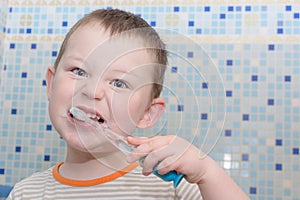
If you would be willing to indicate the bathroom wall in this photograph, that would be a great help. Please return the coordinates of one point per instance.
(255, 46)
(2, 24)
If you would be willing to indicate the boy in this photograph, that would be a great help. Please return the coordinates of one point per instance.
(111, 66)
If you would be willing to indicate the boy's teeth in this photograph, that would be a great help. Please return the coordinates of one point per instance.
(91, 116)
(96, 118)
(83, 116)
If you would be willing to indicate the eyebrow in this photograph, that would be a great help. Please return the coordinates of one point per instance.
(124, 72)
(76, 58)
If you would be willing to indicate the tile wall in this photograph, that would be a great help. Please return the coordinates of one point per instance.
(253, 45)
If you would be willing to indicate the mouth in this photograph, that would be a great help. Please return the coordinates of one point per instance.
(88, 117)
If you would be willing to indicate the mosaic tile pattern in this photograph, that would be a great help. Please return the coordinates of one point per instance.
(256, 48)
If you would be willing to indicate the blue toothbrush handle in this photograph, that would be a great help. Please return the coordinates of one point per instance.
(170, 176)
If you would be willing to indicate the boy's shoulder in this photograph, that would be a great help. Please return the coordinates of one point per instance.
(36, 179)
(36, 182)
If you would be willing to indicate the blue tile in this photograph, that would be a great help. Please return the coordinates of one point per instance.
(48, 127)
(198, 31)
(280, 23)
(18, 149)
(287, 78)
(205, 85)
(191, 23)
(47, 158)
(254, 78)
(278, 167)
(12, 45)
(64, 23)
(228, 93)
(229, 62)
(280, 31)
(264, 8)
(222, 16)
(176, 9)
(271, 102)
(14, 111)
(295, 151)
(288, 7)
(204, 116)
(271, 47)
(24, 75)
(278, 142)
(296, 15)
(33, 46)
(238, 8)
(54, 53)
(248, 8)
(245, 157)
(246, 117)
(227, 133)
(174, 69)
(190, 54)
(180, 108)
(230, 8)
(252, 190)
(207, 8)
(2, 171)
(153, 23)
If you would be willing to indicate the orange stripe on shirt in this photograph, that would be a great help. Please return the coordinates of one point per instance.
(83, 183)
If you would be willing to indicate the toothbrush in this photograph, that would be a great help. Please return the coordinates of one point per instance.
(121, 143)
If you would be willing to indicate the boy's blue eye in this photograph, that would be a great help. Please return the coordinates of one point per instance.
(80, 72)
(119, 84)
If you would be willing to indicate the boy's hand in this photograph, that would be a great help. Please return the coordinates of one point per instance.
(172, 153)
(175, 153)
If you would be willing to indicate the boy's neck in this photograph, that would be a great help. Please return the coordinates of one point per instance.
(84, 166)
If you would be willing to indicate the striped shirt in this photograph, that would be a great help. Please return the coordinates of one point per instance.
(133, 185)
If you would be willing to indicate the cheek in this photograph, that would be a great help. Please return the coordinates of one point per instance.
(138, 104)
(136, 108)
(61, 96)
(120, 111)
(128, 111)
(61, 88)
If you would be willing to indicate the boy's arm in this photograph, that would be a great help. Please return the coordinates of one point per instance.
(175, 153)
(216, 184)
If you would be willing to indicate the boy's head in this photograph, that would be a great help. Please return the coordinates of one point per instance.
(111, 65)
(116, 22)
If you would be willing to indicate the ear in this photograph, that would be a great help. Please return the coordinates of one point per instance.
(49, 78)
(152, 114)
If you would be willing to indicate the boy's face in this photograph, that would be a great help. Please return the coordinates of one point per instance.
(108, 79)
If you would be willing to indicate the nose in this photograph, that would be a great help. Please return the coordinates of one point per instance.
(93, 89)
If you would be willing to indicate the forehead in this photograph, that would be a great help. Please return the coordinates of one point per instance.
(95, 46)
(91, 37)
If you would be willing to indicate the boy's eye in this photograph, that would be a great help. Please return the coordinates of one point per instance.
(80, 72)
(119, 84)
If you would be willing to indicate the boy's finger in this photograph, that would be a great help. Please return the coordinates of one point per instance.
(136, 140)
(144, 146)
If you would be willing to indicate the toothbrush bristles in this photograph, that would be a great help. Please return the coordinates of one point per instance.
(78, 114)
